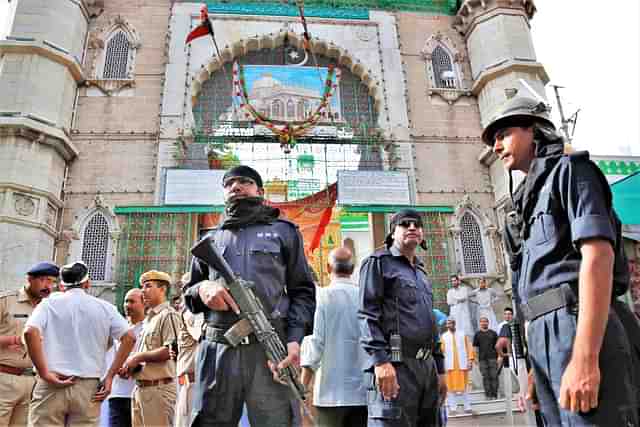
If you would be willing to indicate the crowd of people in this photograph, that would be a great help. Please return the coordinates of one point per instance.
(372, 350)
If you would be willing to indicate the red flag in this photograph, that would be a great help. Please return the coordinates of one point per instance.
(203, 29)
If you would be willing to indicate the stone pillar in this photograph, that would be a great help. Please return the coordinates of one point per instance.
(498, 38)
(40, 70)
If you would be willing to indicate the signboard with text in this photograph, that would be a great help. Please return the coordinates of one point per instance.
(193, 187)
(373, 188)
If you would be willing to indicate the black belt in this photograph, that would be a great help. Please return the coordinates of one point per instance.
(548, 301)
(214, 334)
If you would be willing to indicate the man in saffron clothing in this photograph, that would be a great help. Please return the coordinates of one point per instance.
(458, 358)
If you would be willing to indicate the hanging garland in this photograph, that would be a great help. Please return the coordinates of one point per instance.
(287, 133)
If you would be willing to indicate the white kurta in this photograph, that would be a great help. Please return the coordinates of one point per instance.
(458, 300)
(485, 298)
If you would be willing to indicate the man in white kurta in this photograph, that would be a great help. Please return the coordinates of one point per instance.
(485, 297)
(458, 300)
(458, 360)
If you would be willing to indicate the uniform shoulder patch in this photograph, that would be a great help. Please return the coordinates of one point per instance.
(380, 253)
(286, 221)
(9, 293)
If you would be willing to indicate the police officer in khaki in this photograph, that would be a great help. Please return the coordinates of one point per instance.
(16, 369)
(188, 338)
(154, 396)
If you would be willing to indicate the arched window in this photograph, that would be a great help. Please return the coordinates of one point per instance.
(473, 255)
(443, 73)
(95, 246)
(291, 110)
(277, 108)
(302, 114)
(116, 60)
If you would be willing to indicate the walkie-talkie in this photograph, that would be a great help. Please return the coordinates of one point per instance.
(395, 340)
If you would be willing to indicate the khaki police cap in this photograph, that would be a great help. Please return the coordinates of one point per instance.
(513, 109)
(160, 276)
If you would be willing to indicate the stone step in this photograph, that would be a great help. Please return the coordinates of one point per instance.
(481, 406)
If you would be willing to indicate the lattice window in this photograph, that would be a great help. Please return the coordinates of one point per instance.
(95, 246)
(116, 59)
(473, 257)
(158, 241)
(443, 73)
(436, 256)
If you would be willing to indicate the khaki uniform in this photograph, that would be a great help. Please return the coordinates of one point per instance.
(154, 396)
(15, 390)
(188, 337)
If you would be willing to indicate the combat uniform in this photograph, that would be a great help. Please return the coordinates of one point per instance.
(397, 298)
(154, 395)
(563, 201)
(16, 370)
(270, 255)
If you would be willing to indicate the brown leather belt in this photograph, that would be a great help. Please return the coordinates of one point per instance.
(151, 383)
(12, 370)
(188, 378)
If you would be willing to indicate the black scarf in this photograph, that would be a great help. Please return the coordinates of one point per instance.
(248, 210)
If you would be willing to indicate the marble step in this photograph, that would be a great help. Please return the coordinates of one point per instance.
(481, 406)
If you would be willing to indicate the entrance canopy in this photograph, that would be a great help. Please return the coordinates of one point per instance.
(626, 199)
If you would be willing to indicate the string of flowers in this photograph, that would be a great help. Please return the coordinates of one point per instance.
(287, 133)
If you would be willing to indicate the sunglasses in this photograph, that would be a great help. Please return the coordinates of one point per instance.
(406, 223)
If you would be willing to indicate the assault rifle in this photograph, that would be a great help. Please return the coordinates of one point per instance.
(253, 318)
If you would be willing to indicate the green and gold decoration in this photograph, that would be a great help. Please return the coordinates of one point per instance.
(287, 132)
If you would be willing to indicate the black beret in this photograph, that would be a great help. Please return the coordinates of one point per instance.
(245, 172)
(403, 214)
(75, 273)
(397, 218)
(44, 269)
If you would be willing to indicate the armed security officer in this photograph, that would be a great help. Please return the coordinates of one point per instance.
(268, 251)
(399, 331)
(154, 396)
(571, 265)
(16, 370)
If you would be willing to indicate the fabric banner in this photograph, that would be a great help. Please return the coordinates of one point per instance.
(312, 214)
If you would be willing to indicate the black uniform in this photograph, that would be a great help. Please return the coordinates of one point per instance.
(271, 255)
(564, 201)
(397, 298)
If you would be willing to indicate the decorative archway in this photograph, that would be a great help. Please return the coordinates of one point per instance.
(274, 40)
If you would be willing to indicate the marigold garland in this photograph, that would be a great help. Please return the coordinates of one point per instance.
(287, 133)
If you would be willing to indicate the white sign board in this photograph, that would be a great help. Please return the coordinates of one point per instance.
(373, 188)
(193, 187)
